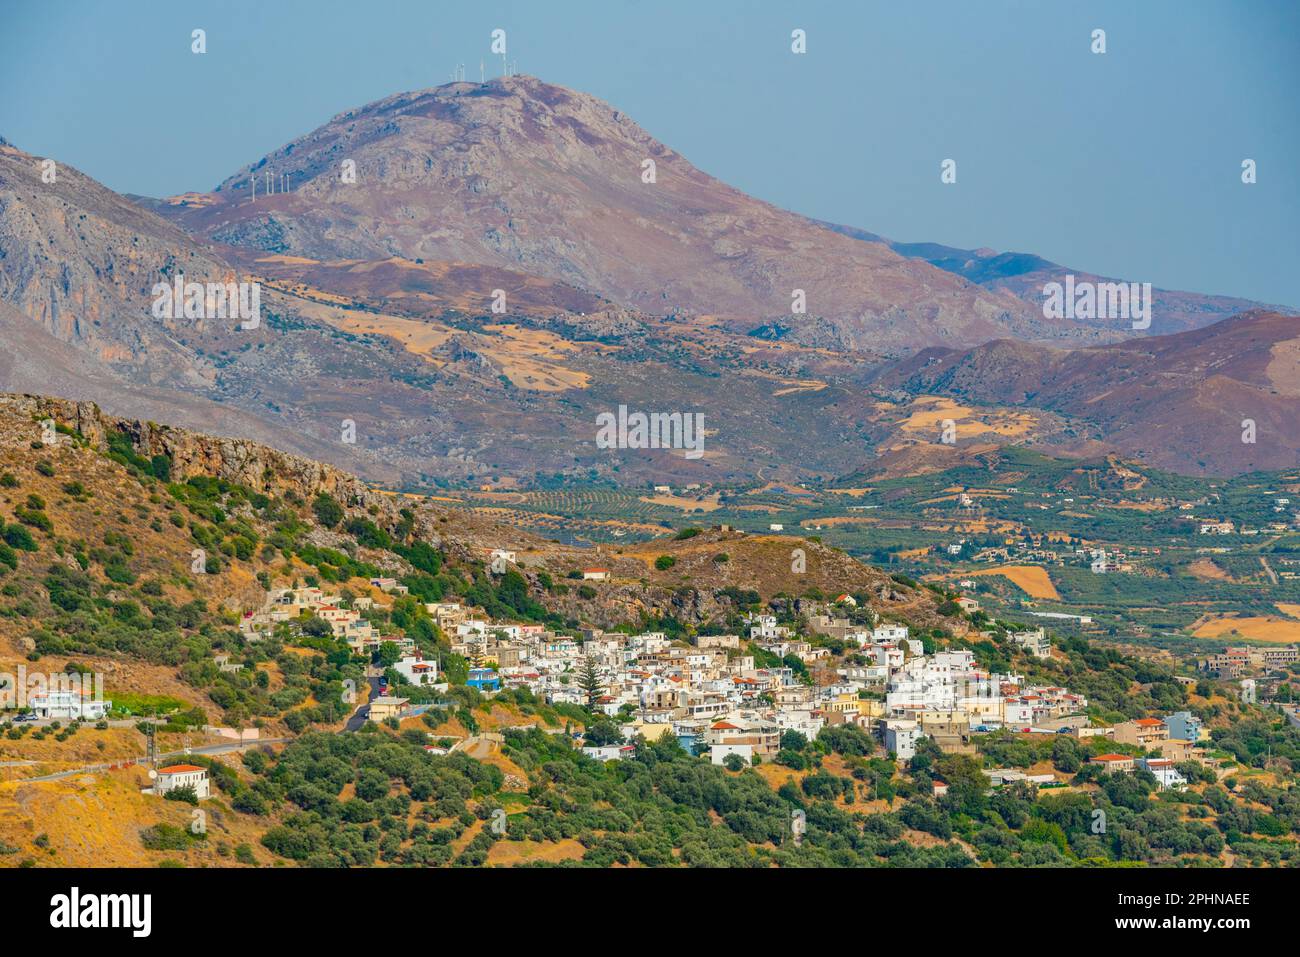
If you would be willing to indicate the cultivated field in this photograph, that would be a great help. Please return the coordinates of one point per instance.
(1264, 628)
(1031, 579)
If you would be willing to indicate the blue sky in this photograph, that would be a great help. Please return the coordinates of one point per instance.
(1126, 164)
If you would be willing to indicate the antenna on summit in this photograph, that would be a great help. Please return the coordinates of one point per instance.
(481, 76)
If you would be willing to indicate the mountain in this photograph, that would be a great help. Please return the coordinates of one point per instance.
(520, 174)
(436, 387)
(497, 279)
(1178, 401)
(1025, 274)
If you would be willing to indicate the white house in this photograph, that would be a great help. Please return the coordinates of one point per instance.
(884, 634)
(182, 775)
(68, 705)
(609, 752)
(417, 671)
(765, 627)
(901, 737)
(1035, 642)
(1164, 771)
(1217, 528)
(595, 574)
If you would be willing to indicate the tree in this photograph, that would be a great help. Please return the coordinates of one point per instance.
(328, 511)
(315, 627)
(792, 740)
(589, 682)
(185, 793)
(388, 654)
(601, 733)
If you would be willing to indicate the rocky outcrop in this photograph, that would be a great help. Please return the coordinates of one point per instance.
(256, 466)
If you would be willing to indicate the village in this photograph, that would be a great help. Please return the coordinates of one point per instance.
(719, 701)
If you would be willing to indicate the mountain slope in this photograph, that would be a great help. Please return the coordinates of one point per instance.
(103, 521)
(393, 346)
(522, 174)
(1178, 401)
(81, 262)
(438, 387)
(378, 301)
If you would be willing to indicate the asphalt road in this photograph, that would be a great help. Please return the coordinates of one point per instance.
(362, 713)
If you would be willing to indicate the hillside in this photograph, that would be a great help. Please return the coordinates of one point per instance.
(1176, 401)
(102, 526)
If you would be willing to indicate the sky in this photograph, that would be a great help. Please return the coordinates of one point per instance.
(1126, 163)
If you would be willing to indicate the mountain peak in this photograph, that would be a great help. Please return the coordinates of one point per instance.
(534, 177)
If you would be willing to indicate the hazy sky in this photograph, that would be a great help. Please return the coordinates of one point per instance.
(1126, 164)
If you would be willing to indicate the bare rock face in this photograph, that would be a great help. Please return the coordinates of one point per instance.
(241, 461)
(81, 262)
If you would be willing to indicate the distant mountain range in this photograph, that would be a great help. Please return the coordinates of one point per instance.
(504, 268)
(1025, 274)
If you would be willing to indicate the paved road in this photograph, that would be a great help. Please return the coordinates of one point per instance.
(207, 749)
(362, 714)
